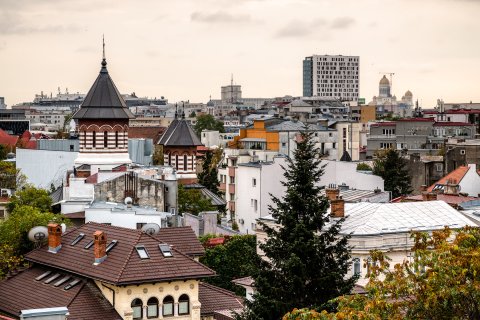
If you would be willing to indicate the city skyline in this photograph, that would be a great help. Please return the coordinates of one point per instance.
(185, 50)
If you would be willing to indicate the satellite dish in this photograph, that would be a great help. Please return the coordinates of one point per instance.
(38, 233)
(151, 228)
(128, 200)
(64, 227)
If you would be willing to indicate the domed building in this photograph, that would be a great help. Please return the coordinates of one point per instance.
(387, 103)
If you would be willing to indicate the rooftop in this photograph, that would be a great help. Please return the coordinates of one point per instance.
(214, 299)
(180, 133)
(123, 265)
(455, 176)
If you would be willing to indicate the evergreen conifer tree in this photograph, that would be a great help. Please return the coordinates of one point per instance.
(307, 261)
(209, 175)
(393, 169)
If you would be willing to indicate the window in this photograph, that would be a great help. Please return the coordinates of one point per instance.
(169, 159)
(116, 139)
(176, 161)
(84, 139)
(72, 148)
(439, 167)
(111, 245)
(105, 139)
(152, 308)
(165, 249)
(356, 266)
(77, 239)
(88, 245)
(142, 252)
(232, 179)
(137, 308)
(185, 161)
(232, 196)
(167, 306)
(183, 305)
(254, 182)
(93, 139)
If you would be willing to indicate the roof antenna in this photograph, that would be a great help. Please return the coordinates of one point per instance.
(104, 60)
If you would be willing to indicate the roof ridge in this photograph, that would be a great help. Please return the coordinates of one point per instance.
(122, 270)
(219, 289)
(173, 130)
(76, 294)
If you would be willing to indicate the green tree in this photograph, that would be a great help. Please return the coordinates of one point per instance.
(8, 259)
(364, 167)
(3, 152)
(31, 196)
(209, 175)
(393, 169)
(237, 258)
(192, 114)
(208, 122)
(193, 201)
(441, 281)
(307, 261)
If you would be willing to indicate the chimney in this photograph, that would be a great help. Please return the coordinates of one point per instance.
(54, 237)
(423, 188)
(337, 207)
(451, 187)
(332, 193)
(429, 196)
(99, 246)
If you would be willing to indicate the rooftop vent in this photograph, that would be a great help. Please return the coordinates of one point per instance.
(61, 281)
(72, 284)
(43, 275)
(55, 276)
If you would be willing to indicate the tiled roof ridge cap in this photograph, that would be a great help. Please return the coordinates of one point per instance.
(122, 270)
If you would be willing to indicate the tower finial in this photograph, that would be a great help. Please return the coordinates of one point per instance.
(104, 60)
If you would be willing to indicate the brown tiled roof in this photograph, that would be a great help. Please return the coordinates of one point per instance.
(456, 175)
(153, 132)
(247, 281)
(84, 301)
(451, 199)
(182, 239)
(123, 264)
(215, 299)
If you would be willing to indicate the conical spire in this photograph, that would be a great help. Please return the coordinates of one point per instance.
(104, 60)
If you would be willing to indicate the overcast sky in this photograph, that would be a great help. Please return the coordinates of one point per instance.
(187, 49)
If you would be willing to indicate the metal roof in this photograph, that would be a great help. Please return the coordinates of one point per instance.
(180, 133)
(103, 101)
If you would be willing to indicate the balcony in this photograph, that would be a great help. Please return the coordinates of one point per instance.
(231, 188)
(223, 186)
(231, 171)
(231, 206)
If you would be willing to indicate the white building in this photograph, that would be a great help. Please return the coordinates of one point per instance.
(332, 76)
(213, 138)
(387, 227)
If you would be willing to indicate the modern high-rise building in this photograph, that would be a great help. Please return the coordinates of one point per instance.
(331, 77)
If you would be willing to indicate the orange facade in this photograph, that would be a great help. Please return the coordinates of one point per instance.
(258, 132)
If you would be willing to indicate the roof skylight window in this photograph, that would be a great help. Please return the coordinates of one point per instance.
(72, 284)
(111, 245)
(142, 252)
(77, 239)
(165, 249)
(88, 245)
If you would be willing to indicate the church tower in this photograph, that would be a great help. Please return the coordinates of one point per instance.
(103, 126)
(384, 88)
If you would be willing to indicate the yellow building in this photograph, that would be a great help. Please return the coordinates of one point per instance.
(102, 272)
(368, 113)
(256, 137)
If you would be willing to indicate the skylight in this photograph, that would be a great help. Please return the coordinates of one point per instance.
(77, 239)
(55, 276)
(142, 252)
(88, 245)
(72, 284)
(43, 275)
(111, 245)
(165, 249)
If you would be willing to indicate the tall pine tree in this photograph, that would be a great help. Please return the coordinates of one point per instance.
(209, 175)
(307, 261)
(393, 169)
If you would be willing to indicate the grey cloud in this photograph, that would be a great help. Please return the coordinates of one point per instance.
(219, 17)
(342, 23)
(13, 24)
(297, 28)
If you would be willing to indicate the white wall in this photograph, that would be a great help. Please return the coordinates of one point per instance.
(246, 197)
(122, 218)
(339, 172)
(43, 167)
(471, 182)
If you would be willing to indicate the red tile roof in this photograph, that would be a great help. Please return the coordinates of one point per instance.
(215, 299)
(451, 199)
(153, 132)
(7, 139)
(84, 301)
(123, 264)
(182, 239)
(456, 176)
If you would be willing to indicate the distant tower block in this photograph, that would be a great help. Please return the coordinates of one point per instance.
(103, 126)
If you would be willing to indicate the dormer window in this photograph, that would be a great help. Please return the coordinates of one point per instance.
(166, 251)
(142, 252)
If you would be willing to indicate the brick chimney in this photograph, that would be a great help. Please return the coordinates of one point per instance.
(423, 188)
(429, 196)
(99, 246)
(332, 193)
(54, 237)
(337, 207)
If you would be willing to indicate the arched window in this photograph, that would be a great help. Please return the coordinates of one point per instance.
(152, 308)
(185, 161)
(193, 163)
(169, 159)
(356, 266)
(116, 139)
(137, 308)
(167, 306)
(94, 141)
(85, 139)
(176, 161)
(183, 305)
(105, 139)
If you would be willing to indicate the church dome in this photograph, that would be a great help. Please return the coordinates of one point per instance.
(384, 81)
(408, 94)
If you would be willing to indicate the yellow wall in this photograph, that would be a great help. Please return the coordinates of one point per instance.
(124, 295)
(367, 113)
(258, 131)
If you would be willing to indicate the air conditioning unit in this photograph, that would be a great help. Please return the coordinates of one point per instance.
(241, 221)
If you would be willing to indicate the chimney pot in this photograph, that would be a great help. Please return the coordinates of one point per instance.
(54, 237)
(337, 209)
(99, 246)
